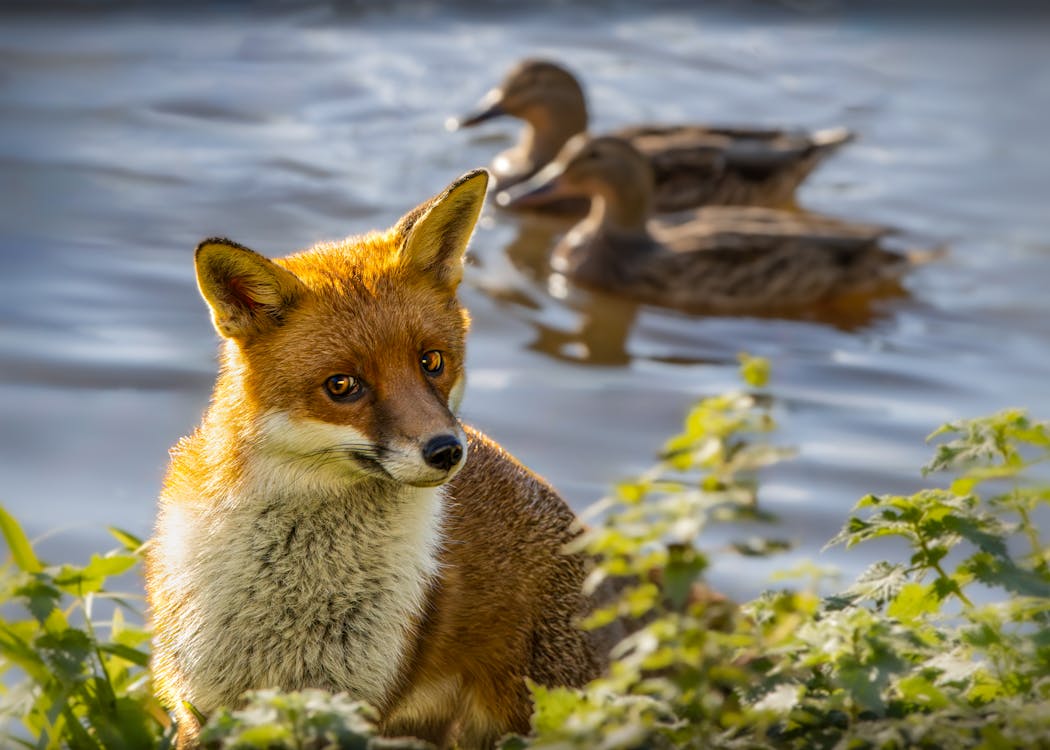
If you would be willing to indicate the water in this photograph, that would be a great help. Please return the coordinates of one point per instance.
(127, 136)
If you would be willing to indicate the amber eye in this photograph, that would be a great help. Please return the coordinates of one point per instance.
(432, 362)
(342, 387)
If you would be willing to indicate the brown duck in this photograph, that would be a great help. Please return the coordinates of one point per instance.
(693, 165)
(716, 260)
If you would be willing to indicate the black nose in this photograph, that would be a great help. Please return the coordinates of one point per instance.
(443, 452)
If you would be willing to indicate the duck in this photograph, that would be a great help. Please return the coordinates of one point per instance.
(719, 259)
(693, 165)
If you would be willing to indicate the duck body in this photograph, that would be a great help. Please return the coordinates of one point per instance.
(709, 266)
(693, 165)
(722, 260)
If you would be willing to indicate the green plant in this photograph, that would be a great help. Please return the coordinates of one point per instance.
(85, 682)
(307, 720)
(947, 648)
(678, 680)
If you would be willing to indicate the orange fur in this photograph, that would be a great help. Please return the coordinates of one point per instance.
(304, 541)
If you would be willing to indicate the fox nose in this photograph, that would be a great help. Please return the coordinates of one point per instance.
(443, 452)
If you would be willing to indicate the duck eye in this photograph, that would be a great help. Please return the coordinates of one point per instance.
(433, 363)
(342, 387)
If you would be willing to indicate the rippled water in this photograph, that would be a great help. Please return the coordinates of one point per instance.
(126, 137)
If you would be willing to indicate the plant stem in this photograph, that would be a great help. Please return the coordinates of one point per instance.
(1032, 533)
(936, 565)
(112, 697)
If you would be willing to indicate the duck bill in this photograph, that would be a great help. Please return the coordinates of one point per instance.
(489, 107)
(541, 190)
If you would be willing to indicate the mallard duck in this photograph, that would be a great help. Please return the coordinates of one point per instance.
(693, 165)
(716, 259)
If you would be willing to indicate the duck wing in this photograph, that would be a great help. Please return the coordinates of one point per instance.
(751, 223)
(699, 165)
(773, 263)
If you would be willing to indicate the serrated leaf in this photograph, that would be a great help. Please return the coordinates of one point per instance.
(41, 598)
(1005, 573)
(781, 699)
(879, 582)
(66, 652)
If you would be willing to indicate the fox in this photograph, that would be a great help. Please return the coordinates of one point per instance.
(332, 524)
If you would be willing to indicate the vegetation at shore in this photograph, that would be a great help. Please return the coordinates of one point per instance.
(947, 646)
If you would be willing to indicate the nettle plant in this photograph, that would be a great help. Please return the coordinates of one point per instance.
(947, 648)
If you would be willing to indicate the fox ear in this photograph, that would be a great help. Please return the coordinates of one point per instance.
(247, 293)
(436, 233)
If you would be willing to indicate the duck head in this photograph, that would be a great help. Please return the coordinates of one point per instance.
(550, 101)
(533, 90)
(609, 170)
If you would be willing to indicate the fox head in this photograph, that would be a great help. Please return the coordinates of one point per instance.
(345, 361)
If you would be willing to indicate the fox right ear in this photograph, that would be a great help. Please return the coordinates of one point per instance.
(247, 293)
(437, 232)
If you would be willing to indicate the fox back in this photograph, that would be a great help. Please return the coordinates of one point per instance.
(331, 523)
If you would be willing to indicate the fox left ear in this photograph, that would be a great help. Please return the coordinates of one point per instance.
(248, 294)
(436, 233)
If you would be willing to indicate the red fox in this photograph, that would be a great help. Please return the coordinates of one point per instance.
(332, 524)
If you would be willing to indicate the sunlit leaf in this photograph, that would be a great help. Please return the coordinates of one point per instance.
(912, 601)
(754, 370)
(127, 653)
(917, 690)
(18, 543)
(130, 542)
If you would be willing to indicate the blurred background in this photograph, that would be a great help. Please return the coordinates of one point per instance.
(129, 131)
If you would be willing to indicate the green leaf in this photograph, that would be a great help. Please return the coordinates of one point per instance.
(17, 648)
(682, 571)
(130, 542)
(200, 717)
(79, 738)
(913, 601)
(111, 565)
(92, 577)
(864, 683)
(553, 706)
(879, 583)
(1005, 573)
(125, 652)
(18, 543)
(754, 370)
(124, 724)
(266, 736)
(41, 597)
(918, 691)
(66, 652)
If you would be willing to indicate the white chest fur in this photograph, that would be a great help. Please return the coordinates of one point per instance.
(282, 592)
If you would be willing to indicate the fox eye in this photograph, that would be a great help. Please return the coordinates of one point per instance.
(342, 387)
(433, 363)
